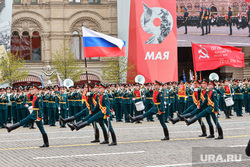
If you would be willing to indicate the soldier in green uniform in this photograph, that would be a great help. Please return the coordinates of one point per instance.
(229, 20)
(127, 103)
(13, 105)
(238, 98)
(52, 105)
(3, 108)
(190, 95)
(28, 99)
(71, 101)
(148, 100)
(77, 101)
(227, 92)
(137, 97)
(211, 103)
(182, 95)
(45, 97)
(165, 91)
(36, 115)
(56, 92)
(172, 100)
(19, 99)
(118, 104)
(24, 110)
(111, 99)
(9, 114)
(103, 112)
(158, 109)
(185, 19)
(63, 104)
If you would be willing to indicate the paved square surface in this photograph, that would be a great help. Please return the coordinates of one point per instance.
(139, 145)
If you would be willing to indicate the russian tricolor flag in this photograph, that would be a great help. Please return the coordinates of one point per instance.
(100, 45)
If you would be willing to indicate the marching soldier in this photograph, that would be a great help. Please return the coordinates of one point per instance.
(158, 109)
(24, 110)
(229, 20)
(137, 98)
(19, 100)
(165, 92)
(56, 93)
(238, 98)
(77, 101)
(172, 100)
(36, 115)
(71, 101)
(210, 17)
(202, 20)
(190, 95)
(185, 19)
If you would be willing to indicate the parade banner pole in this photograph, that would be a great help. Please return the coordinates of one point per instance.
(86, 69)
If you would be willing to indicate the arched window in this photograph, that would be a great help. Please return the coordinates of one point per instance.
(36, 46)
(27, 46)
(197, 7)
(189, 6)
(182, 7)
(243, 7)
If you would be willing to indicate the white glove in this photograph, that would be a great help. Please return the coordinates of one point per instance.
(196, 89)
(133, 99)
(112, 113)
(88, 93)
(67, 108)
(59, 108)
(30, 108)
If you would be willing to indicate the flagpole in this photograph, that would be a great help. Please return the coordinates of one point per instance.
(86, 69)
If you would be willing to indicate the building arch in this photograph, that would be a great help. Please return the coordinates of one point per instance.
(16, 24)
(30, 80)
(88, 22)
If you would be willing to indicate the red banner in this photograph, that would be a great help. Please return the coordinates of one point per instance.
(153, 40)
(211, 57)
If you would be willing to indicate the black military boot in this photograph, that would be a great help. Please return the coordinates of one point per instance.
(71, 126)
(181, 117)
(113, 139)
(220, 134)
(174, 120)
(204, 131)
(64, 121)
(248, 149)
(13, 127)
(106, 138)
(211, 129)
(165, 130)
(192, 120)
(45, 140)
(97, 140)
(137, 118)
(80, 125)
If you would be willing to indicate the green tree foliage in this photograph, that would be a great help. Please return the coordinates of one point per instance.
(12, 68)
(115, 69)
(65, 63)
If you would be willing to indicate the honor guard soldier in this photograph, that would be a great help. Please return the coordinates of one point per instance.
(212, 108)
(229, 20)
(52, 98)
(118, 103)
(172, 100)
(137, 97)
(101, 116)
(182, 95)
(9, 114)
(56, 93)
(36, 115)
(165, 92)
(19, 100)
(157, 109)
(238, 98)
(127, 103)
(63, 104)
(3, 108)
(26, 100)
(29, 100)
(77, 101)
(45, 97)
(202, 20)
(210, 17)
(190, 95)
(71, 101)
(148, 100)
(227, 93)
(13, 104)
(185, 19)
(111, 99)
(206, 19)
